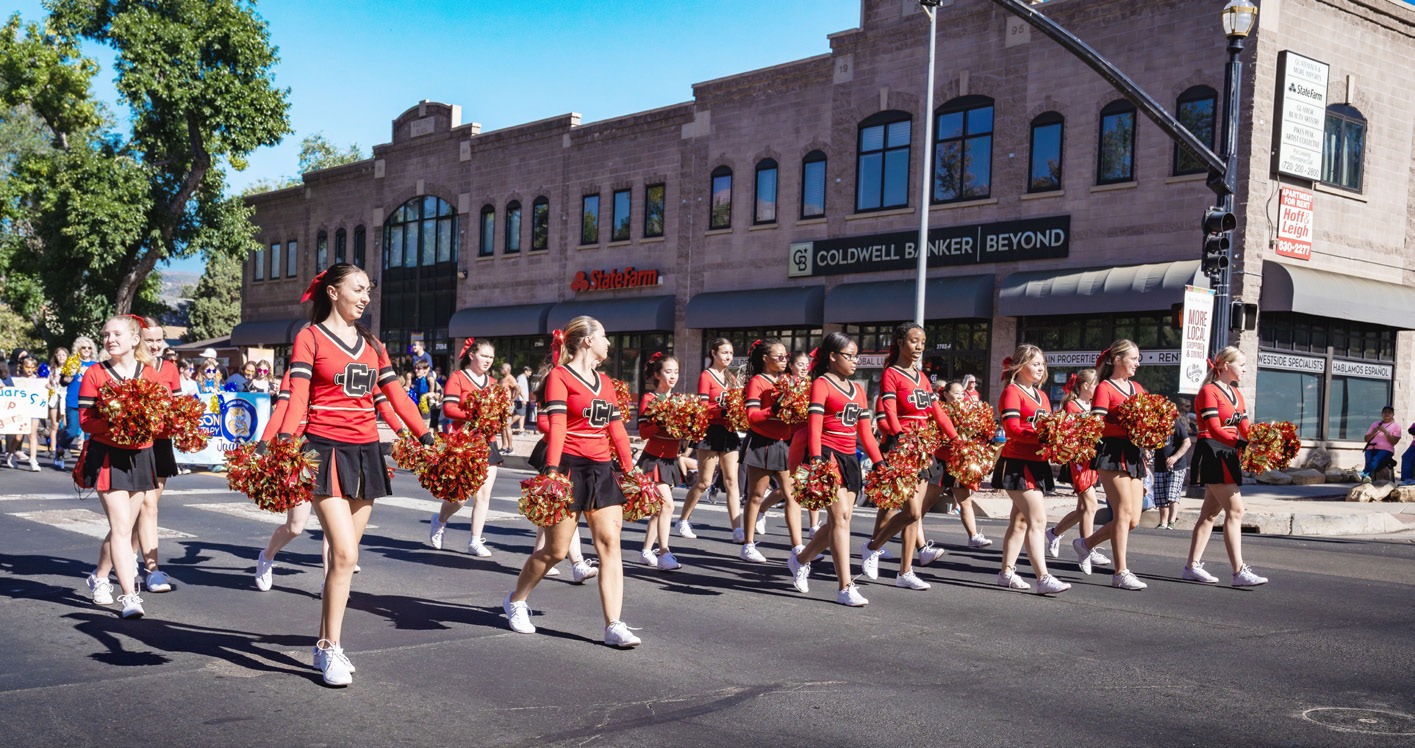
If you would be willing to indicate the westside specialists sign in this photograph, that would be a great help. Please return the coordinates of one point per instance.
(1005, 241)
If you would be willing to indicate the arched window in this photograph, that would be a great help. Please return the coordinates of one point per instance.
(1115, 154)
(340, 246)
(1196, 109)
(963, 149)
(720, 210)
(882, 166)
(321, 251)
(360, 246)
(1044, 172)
(540, 223)
(813, 185)
(487, 246)
(1343, 147)
(513, 228)
(765, 203)
(420, 232)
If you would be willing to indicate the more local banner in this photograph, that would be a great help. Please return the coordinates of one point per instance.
(231, 419)
(1194, 338)
(21, 404)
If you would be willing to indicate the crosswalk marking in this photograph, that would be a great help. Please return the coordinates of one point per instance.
(85, 522)
(429, 506)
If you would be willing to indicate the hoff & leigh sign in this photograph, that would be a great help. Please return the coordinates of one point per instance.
(1005, 241)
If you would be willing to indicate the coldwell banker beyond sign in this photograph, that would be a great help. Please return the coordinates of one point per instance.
(1006, 241)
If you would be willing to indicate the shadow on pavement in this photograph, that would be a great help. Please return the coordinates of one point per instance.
(243, 649)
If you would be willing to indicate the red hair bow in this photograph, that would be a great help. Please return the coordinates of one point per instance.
(1006, 364)
(1070, 385)
(467, 346)
(656, 356)
(557, 341)
(314, 284)
(1100, 360)
(755, 343)
(1213, 365)
(142, 323)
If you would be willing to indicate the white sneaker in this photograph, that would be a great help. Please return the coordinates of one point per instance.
(518, 615)
(10, 461)
(749, 552)
(1246, 577)
(1195, 572)
(435, 530)
(760, 526)
(132, 606)
(102, 590)
(1053, 544)
(931, 553)
(264, 572)
(869, 561)
(668, 562)
(685, 529)
(1125, 580)
(1009, 579)
(911, 581)
(337, 669)
(583, 570)
(648, 558)
(1083, 555)
(979, 541)
(815, 527)
(33, 465)
(1098, 558)
(321, 654)
(851, 596)
(739, 536)
(158, 581)
(1050, 585)
(617, 634)
(800, 573)
(478, 547)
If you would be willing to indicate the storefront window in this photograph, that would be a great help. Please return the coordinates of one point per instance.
(1285, 331)
(1072, 343)
(1290, 396)
(952, 350)
(794, 338)
(1356, 403)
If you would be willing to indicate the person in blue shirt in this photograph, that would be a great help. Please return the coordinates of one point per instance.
(239, 381)
(87, 353)
(420, 354)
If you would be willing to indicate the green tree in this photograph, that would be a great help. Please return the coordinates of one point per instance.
(316, 152)
(216, 304)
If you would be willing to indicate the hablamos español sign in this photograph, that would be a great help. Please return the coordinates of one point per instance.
(1004, 241)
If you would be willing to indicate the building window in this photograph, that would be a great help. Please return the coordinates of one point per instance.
(883, 166)
(340, 245)
(292, 259)
(619, 218)
(540, 224)
(360, 246)
(258, 265)
(487, 247)
(589, 219)
(421, 232)
(321, 251)
(1090, 334)
(1196, 110)
(720, 215)
(513, 228)
(275, 261)
(1044, 174)
(1115, 161)
(653, 210)
(813, 185)
(952, 349)
(1343, 147)
(963, 150)
(765, 210)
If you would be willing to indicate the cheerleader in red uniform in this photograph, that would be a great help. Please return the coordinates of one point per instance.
(1223, 433)
(478, 356)
(767, 447)
(953, 392)
(1119, 461)
(1021, 470)
(839, 421)
(1080, 388)
(337, 368)
(660, 462)
(801, 367)
(122, 476)
(581, 569)
(719, 448)
(583, 411)
(908, 402)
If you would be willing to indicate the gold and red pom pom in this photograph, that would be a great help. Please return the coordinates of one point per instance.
(488, 410)
(1069, 438)
(135, 410)
(793, 399)
(1149, 418)
(680, 416)
(1271, 446)
(277, 481)
(970, 461)
(891, 486)
(626, 400)
(184, 424)
(734, 409)
(545, 499)
(453, 469)
(641, 496)
(973, 419)
(816, 484)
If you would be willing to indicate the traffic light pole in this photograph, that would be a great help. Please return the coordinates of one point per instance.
(1232, 96)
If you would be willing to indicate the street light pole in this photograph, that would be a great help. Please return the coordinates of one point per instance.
(1239, 17)
(926, 173)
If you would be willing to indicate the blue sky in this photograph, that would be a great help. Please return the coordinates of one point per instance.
(353, 66)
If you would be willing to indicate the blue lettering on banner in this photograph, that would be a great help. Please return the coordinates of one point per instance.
(1005, 241)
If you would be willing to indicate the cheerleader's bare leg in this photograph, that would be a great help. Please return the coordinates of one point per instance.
(727, 462)
(1028, 522)
(839, 524)
(343, 521)
(707, 469)
(605, 525)
(963, 497)
(1125, 495)
(552, 543)
(1225, 498)
(145, 530)
(295, 520)
(758, 481)
(481, 503)
(122, 508)
(661, 525)
(903, 520)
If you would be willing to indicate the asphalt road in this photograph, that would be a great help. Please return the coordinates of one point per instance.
(732, 656)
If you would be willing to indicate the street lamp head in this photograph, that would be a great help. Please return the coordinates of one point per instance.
(1239, 18)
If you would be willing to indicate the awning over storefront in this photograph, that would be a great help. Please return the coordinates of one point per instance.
(1132, 288)
(967, 297)
(801, 306)
(264, 333)
(499, 321)
(617, 315)
(1295, 289)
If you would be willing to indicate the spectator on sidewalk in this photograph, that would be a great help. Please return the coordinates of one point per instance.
(1381, 439)
(1171, 471)
(239, 381)
(420, 354)
(520, 417)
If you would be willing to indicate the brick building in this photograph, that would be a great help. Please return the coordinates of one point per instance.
(784, 201)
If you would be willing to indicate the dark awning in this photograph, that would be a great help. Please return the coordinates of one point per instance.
(499, 321)
(1132, 288)
(645, 313)
(266, 332)
(966, 297)
(800, 306)
(1287, 288)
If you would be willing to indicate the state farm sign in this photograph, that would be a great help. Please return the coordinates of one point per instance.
(1294, 224)
(610, 280)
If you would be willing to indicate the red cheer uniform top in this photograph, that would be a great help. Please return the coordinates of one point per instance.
(337, 387)
(1222, 415)
(909, 402)
(90, 420)
(458, 385)
(167, 374)
(760, 399)
(712, 389)
(1108, 397)
(840, 419)
(1020, 409)
(582, 413)
(656, 442)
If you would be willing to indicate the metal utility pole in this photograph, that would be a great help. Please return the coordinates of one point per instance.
(926, 174)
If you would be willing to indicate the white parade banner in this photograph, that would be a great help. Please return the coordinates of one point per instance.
(231, 419)
(21, 404)
(1194, 343)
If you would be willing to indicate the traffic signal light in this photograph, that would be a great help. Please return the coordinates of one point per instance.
(1218, 223)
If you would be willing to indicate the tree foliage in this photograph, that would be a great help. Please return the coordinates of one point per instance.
(216, 303)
